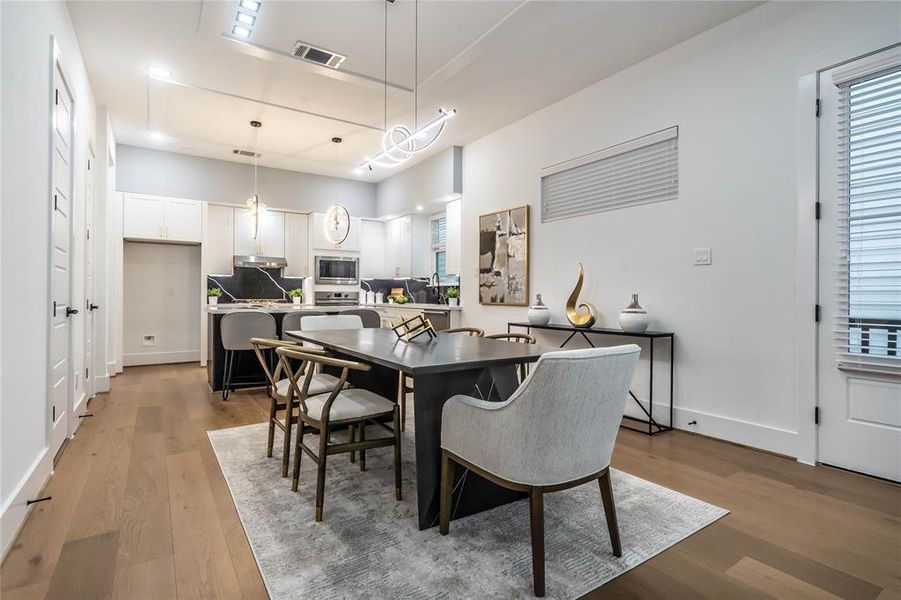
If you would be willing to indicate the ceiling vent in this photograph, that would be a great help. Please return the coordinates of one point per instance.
(316, 55)
(240, 152)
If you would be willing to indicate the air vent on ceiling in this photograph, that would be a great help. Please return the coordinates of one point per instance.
(244, 153)
(317, 55)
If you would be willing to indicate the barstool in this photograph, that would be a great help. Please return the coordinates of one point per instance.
(291, 321)
(236, 330)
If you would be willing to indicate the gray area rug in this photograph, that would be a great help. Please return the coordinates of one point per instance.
(369, 545)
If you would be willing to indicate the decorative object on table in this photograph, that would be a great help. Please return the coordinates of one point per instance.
(379, 297)
(212, 295)
(539, 313)
(255, 207)
(453, 296)
(410, 329)
(574, 313)
(504, 257)
(634, 318)
(337, 224)
(400, 299)
(296, 296)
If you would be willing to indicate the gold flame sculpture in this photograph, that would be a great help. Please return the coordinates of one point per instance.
(579, 319)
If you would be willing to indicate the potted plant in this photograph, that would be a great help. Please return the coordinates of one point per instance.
(212, 295)
(296, 295)
(401, 299)
(453, 296)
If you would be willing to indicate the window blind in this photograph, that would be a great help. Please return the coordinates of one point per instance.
(869, 224)
(438, 232)
(639, 171)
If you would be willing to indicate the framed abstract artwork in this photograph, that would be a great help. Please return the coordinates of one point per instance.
(504, 257)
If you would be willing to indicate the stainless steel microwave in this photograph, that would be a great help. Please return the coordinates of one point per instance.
(338, 270)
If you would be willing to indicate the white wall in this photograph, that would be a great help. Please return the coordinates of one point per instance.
(427, 184)
(106, 254)
(148, 171)
(160, 299)
(732, 92)
(25, 90)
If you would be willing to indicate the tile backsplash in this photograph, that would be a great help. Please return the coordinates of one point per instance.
(254, 283)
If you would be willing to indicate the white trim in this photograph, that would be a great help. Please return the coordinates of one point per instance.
(161, 358)
(885, 59)
(101, 384)
(14, 512)
(639, 142)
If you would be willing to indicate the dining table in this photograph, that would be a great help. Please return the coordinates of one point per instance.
(441, 367)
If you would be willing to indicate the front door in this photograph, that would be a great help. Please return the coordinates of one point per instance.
(61, 309)
(859, 358)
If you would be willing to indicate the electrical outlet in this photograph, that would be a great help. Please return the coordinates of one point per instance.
(149, 339)
(170, 291)
(702, 257)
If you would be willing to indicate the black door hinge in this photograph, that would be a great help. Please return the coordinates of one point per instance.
(85, 373)
(54, 308)
(56, 97)
(816, 313)
(817, 210)
(55, 203)
(816, 415)
(53, 419)
(817, 113)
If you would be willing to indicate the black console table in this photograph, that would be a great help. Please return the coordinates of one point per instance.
(653, 427)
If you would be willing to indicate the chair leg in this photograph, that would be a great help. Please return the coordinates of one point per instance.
(320, 472)
(226, 379)
(447, 484)
(402, 399)
(289, 417)
(397, 474)
(536, 512)
(362, 439)
(298, 455)
(610, 512)
(273, 413)
(353, 453)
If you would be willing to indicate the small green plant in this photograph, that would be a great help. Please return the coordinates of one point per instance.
(401, 299)
(452, 292)
(214, 292)
(296, 293)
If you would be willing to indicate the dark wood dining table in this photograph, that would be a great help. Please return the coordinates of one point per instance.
(443, 367)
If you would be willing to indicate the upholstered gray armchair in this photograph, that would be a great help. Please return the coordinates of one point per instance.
(556, 431)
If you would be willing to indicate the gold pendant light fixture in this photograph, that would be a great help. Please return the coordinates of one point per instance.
(254, 205)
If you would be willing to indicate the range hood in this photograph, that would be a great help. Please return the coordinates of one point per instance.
(265, 262)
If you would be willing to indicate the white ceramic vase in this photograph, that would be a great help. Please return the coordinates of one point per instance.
(634, 318)
(212, 300)
(296, 300)
(539, 313)
(453, 301)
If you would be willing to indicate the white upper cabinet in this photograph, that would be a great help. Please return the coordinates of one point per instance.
(270, 241)
(321, 241)
(398, 247)
(219, 244)
(162, 219)
(296, 243)
(453, 235)
(372, 249)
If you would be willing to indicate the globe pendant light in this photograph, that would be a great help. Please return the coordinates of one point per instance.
(399, 143)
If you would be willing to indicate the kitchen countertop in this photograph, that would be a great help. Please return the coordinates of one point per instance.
(286, 308)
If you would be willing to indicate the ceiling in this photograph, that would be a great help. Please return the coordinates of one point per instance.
(494, 61)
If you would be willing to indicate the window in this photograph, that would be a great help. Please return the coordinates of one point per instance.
(636, 172)
(438, 234)
(869, 295)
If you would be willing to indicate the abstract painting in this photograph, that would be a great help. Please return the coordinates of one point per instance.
(504, 257)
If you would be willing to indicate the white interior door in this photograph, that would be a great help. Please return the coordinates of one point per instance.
(90, 299)
(61, 264)
(859, 357)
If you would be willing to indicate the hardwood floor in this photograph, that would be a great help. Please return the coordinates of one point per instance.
(141, 510)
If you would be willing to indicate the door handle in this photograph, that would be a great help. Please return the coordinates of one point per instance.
(93, 307)
(71, 311)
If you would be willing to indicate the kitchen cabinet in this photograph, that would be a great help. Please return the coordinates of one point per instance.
(271, 239)
(452, 222)
(157, 218)
(372, 249)
(398, 247)
(219, 244)
(321, 241)
(296, 242)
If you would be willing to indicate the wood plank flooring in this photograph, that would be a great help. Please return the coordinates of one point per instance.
(141, 510)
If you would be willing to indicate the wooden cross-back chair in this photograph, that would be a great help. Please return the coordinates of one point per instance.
(352, 407)
(519, 338)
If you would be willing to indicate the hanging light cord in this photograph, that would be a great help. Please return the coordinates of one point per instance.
(416, 68)
(386, 66)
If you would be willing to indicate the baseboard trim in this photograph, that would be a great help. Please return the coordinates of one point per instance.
(161, 358)
(15, 511)
(101, 384)
(729, 429)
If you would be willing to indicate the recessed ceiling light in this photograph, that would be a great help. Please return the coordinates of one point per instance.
(251, 5)
(419, 207)
(159, 72)
(246, 19)
(241, 31)
(156, 136)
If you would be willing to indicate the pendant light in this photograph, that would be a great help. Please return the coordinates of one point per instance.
(399, 143)
(253, 203)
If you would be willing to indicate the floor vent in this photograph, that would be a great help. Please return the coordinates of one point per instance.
(316, 55)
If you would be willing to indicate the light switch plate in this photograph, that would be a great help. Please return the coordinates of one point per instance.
(702, 257)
